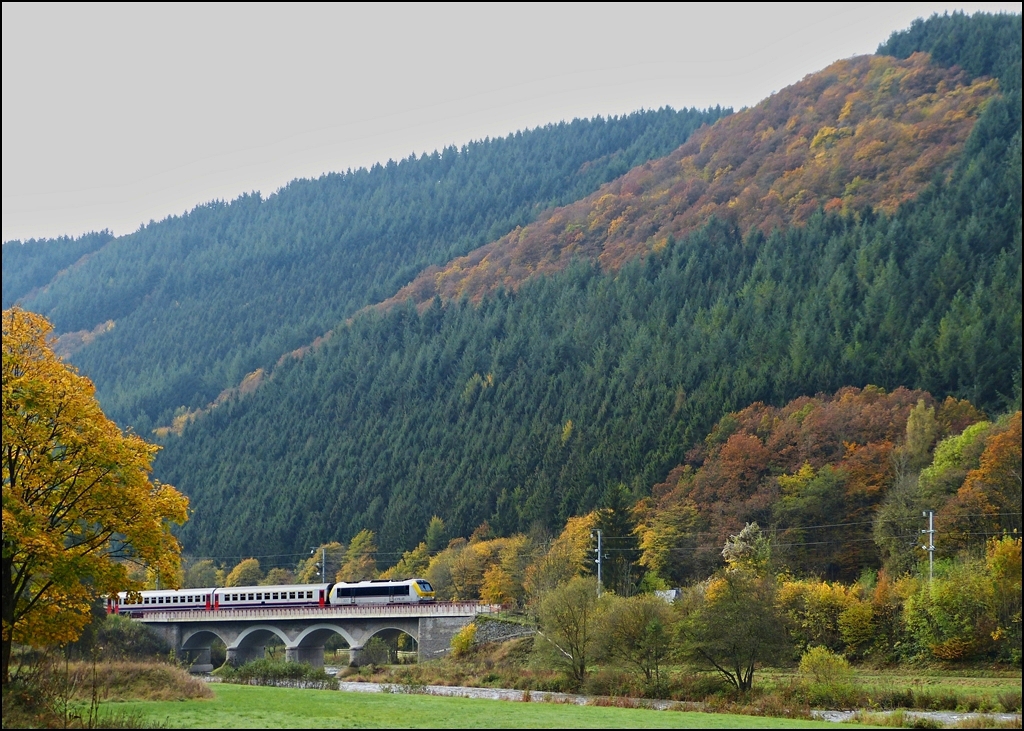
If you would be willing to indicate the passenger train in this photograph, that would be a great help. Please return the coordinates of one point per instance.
(410, 591)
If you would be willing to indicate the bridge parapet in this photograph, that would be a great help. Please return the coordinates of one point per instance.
(371, 611)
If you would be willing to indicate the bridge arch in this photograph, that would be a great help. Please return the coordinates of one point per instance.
(256, 635)
(393, 639)
(197, 649)
(201, 639)
(317, 634)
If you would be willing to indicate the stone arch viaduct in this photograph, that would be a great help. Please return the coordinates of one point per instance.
(304, 631)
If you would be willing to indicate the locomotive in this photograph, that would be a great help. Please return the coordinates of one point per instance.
(377, 591)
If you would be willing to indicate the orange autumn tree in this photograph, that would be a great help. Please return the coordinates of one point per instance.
(78, 502)
(989, 500)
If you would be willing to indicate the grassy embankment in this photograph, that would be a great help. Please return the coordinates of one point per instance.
(52, 693)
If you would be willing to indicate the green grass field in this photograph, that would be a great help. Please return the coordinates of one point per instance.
(985, 690)
(238, 706)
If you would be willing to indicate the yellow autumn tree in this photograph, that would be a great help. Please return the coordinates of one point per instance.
(566, 559)
(79, 507)
(360, 562)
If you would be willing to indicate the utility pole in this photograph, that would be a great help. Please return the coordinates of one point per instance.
(598, 532)
(930, 548)
(323, 562)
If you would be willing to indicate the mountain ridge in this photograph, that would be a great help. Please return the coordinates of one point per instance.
(201, 300)
(842, 152)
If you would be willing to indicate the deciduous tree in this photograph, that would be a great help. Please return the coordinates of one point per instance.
(570, 620)
(733, 622)
(246, 573)
(637, 632)
(78, 501)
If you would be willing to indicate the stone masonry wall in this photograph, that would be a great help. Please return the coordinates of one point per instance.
(436, 635)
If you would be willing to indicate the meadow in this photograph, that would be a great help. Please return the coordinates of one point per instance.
(239, 706)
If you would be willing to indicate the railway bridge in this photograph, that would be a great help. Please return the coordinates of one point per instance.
(304, 630)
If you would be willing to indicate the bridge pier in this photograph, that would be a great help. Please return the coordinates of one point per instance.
(311, 655)
(436, 635)
(241, 655)
(200, 661)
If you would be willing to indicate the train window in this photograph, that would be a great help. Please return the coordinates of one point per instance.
(160, 600)
(275, 595)
(309, 594)
(291, 595)
(250, 598)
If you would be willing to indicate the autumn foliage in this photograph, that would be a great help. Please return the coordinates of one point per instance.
(815, 471)
(870, 131)
(78, 503)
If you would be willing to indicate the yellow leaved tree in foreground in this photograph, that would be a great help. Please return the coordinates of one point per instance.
(78, 502)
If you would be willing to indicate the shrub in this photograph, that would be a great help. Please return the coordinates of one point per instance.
(696, 687)
(831, 679)
(112, 637)
(463, 640)
(825, 667)
(277, 672)
(376, 652)
(610, 682)
(1010, 701)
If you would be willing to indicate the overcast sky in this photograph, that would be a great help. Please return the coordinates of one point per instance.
(114, 115)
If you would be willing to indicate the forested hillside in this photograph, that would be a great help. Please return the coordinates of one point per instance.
(563, 344)
(865, 133)
(34, 264)
(188, 306)
(525, 408)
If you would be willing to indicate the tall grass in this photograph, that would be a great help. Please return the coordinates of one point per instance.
(51, 692)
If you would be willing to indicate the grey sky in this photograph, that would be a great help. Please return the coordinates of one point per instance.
(114, 115)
